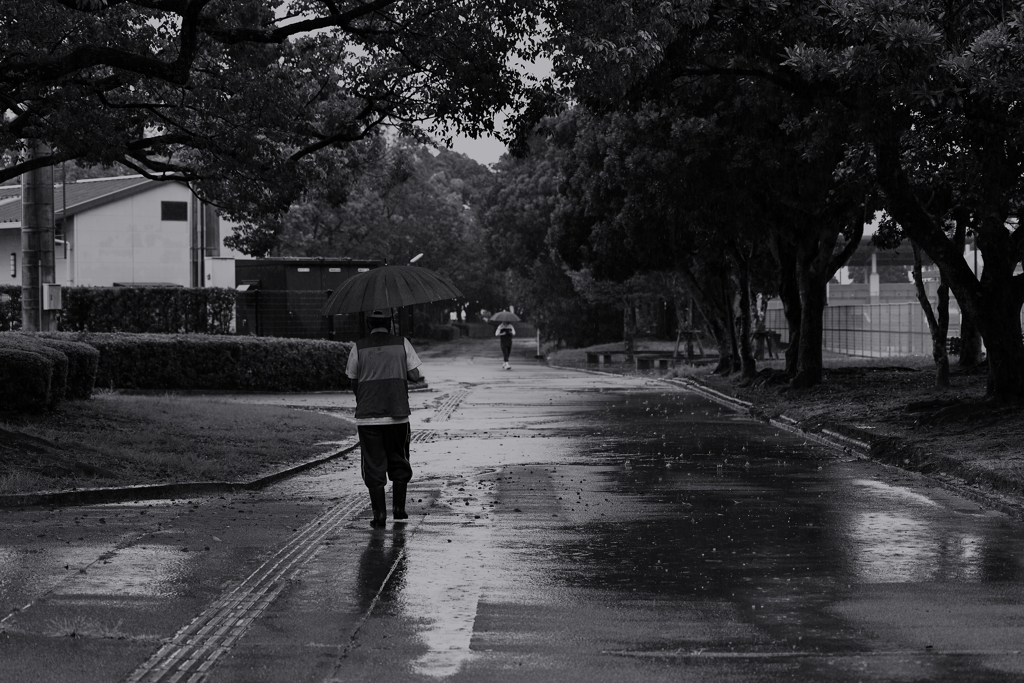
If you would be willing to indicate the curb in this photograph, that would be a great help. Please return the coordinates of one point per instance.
(708, 392)
(163, 491)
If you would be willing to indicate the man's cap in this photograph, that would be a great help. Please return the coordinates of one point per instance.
(378, 314)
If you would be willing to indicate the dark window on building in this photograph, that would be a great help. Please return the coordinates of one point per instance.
(174, 211)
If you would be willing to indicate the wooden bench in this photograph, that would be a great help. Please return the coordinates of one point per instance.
(654, 362)
(595, 358)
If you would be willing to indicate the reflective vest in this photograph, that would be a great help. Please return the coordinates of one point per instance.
(382, 389)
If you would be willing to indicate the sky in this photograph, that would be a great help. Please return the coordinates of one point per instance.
(487, 150)
(484, 151)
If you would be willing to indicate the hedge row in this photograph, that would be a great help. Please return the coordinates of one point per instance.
(38, 373)
(202, 362)
(205, 310)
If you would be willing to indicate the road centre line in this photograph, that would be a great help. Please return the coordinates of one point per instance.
(192, 652)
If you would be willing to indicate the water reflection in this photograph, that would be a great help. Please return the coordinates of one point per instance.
(378, 577)
(893, 548)
(442, 590)
(135, 571)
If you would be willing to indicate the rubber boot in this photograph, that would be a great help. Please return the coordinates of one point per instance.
(380, 507)
(398, 500)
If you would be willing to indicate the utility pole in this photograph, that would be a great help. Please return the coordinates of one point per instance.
(37, 267)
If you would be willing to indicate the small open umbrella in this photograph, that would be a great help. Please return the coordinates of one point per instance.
(389, 287)
(504, 317)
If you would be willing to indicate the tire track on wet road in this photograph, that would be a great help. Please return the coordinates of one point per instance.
(442, 413)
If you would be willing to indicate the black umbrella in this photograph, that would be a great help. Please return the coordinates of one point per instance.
(389, 287)
(504, 317)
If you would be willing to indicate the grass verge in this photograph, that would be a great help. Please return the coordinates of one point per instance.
(120, 440)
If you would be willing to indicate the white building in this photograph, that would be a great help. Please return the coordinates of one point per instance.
(126, 230)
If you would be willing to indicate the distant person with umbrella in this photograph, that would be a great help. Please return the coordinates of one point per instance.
(505, 331)
(380, 367)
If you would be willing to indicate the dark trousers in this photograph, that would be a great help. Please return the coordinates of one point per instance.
(385, 453)
(506, 346)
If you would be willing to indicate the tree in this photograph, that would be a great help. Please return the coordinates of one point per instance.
(929, 86)
(716, 69)
(641, 196)
(518, 216)
(407, 199)
(936, 88)
(250, 101)
(815, 196)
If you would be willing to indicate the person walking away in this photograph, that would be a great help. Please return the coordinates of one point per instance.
(380, 367)
(505, 332)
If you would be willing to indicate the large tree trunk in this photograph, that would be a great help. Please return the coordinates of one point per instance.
(748, 366)
(806, 258)
(970, 343)
(727, 310)
(812, 307)
(789, 294)
(815, 265)
(970, 338)
(999, 324)
(938, 327)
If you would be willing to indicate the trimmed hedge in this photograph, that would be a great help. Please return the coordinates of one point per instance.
(211, 363)
(59, 373)
(206, 310)
(83, 363)
(25, 379)
(172, 310)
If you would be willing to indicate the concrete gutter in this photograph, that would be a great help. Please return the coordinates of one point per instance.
(99, 496)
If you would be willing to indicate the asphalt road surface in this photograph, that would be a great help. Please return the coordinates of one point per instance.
(565, 526)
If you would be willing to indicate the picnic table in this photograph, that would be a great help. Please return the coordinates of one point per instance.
(598, 358)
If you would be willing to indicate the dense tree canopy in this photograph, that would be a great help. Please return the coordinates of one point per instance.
(409, 199)
(251, 101)
(519, 217)
(919, 100)
(936, 88)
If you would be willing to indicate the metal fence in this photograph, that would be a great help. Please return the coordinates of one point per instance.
(872, 330)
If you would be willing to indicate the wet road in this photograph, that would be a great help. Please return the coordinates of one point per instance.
(565, 526)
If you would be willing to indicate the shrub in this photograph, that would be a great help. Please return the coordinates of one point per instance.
(59, 372)
(444, 332)
(201, 362)
(25, 379)
(171, 310)
(83, 362)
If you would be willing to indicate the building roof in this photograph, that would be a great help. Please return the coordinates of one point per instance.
(79, 196)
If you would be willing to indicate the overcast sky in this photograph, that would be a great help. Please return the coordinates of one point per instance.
(488, 150)
(485, 151)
